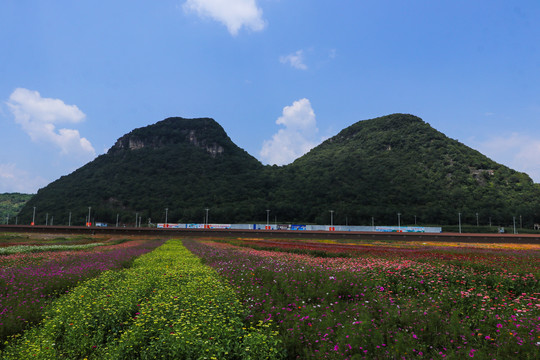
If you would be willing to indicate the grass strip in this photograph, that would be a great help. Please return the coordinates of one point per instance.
(17, 249)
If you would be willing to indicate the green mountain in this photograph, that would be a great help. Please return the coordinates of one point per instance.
(400, 164)
(184, 165)
(10, 205)
(372, 169)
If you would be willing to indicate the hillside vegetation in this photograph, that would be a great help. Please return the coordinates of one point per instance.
(10, 205)
(372, 169)
(400, 164)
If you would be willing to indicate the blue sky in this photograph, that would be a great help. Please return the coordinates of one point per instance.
(279, 75)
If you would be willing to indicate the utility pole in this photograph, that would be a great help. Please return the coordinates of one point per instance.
(459, 222)
(34, 216)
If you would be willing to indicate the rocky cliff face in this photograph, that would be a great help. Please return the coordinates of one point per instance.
(214, 149)
(174, 131)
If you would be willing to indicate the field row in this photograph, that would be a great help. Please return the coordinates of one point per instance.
(16, 249)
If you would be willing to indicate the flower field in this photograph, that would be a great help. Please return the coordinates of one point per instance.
(270, 299)
(387, 302)
(167, 305)
(31, 279)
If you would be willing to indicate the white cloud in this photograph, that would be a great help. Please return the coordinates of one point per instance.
(232, 13)
(332, 53)
(13, 179)
(517, 151)
(297, 138)
(296, 60)
(38, 116)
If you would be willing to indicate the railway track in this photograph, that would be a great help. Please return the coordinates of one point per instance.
(278, 234)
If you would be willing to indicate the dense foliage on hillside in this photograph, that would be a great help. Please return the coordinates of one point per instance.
(400, 164)
(10, 205)
(372, 169)
(184, 165)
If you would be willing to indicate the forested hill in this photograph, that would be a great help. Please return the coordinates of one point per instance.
(398, 163)
(10, 205)
(181, 164)
(372, 169)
